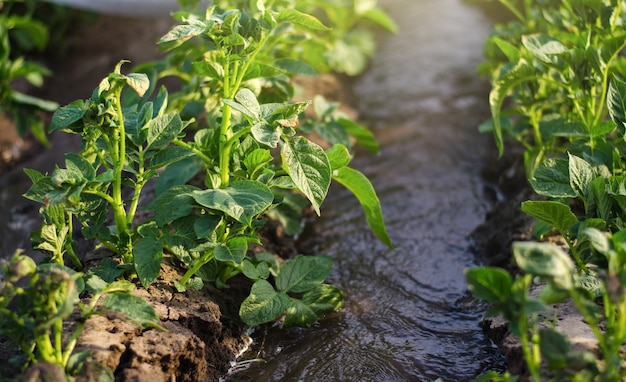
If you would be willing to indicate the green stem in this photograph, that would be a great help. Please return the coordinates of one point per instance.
(138, 187)
(224, 147)
(207, 161)
(119, 213)
(103, 195)
(195, 266)
(71, 344)
(57, 329)
(535, 117)
(580, 265)
(45, 348)
(120, 146)
(237, 135)
(531, 355)
(69, 244)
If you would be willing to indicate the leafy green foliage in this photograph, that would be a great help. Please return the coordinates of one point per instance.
(36, 300)
(20, 34)
(246, 162)
(329, 36)
(121, 146)
(554, 61)
(247, 105)
(246, 150)
(302, 274)
(557, 88)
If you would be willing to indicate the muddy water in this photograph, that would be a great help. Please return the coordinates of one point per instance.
(408, 316)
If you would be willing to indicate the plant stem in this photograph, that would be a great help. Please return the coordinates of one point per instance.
(580, 265)
(119, 212)
(195, 266)
(198, 152)
(102, 195)
(44, 348)
(69, 245)
(57, 329)
(138, 186)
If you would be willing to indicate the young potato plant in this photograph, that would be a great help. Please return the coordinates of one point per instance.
(554, 63)
(121, 148)
(19, 34)
(36, 300)
(345, 47)
(245, 182)
(546, 350)
(599, 259)
(275, 60)
(561, 64)
(248, 161)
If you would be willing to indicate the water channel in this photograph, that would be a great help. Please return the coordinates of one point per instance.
(408, 316)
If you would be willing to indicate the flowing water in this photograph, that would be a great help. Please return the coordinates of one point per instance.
(407, 315)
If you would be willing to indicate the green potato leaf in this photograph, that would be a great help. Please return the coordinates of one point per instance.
(176, 202)
(296, 17)
(362, 188)
(147, 255)
(521, 72)
(162, 130)
(234, 251)
(134, 308)
(616, 103)
(242, 200)
(168, 156)
(298, 314)
(263, 304)
(547, 261)
(556, 214)
(309, 168)
(303, 273)
(323, 299)
(543, 47)
(489, 283)
(552, 179)
(67, 115)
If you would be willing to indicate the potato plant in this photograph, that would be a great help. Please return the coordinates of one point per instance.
(243, 163)
(19, 35)
(35, 300)
(554, 64)
(560, 69)
(227, 154)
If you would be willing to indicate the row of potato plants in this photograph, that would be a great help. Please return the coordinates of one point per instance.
(227, 155)
(23, 33)
(557, 74)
